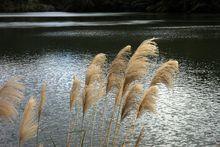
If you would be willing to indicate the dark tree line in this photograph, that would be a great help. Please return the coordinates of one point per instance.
(164, 6)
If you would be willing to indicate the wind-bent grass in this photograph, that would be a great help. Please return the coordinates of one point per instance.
(166, 73)
(40, 107)
(28, 125)
(73, 97)
(74, 92)
(94, 85)
(124, 80)
(93, 89)
(7, 110)
(115, 78)
(130, 100)
(136, 70)
(117, 69)
(148, 101)
(11, 93)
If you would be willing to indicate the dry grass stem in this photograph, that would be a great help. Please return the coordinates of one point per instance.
(74, 91)
(140, 137)
(42, 100)
(40, 107)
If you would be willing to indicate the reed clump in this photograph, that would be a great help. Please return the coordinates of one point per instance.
(125, 79)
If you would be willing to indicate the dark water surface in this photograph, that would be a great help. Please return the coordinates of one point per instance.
(52, 47)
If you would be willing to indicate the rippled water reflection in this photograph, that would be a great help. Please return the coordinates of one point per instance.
(187, 115)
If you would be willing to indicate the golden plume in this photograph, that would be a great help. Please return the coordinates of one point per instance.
(165, 73)
(138, 64)
(95, 69)
(148, 101)
(11, 93)
(28, 124)
(117, 68)
(42, 100)
(7, 110)
(130, 100)
(12, 90)
(74, 91)
(94, 84)
(140, 137)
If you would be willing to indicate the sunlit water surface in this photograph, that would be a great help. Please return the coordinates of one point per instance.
(53, 47)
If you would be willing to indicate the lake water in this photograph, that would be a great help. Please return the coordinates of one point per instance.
(53, 47)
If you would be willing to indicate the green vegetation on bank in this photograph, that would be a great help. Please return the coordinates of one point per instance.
(153, 6)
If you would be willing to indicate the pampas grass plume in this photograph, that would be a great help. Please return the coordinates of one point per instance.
(12, 90)
(117, 68)
(42, 100)
(11, 93)
(94, 84)
(74, 91)
(7, 110)
(138, 64)
(166, 73)
(130, 100)
(28, 124)
(148, 101)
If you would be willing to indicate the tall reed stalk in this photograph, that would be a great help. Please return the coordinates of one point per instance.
(28, 124)
(93, 126)
(115, 79)
(140, 137)
(40, 108)
(73, 97)
(131, 102)
(93, 89)
(103, 123)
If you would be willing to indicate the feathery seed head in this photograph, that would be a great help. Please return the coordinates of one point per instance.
(42, 100)
(7, 110)
(138, 65)
(117, 68)
(74, 91)
(130, 100)
(166, 73)
(148, 101)
(28, 125)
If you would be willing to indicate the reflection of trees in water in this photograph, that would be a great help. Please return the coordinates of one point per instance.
(118, 5)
